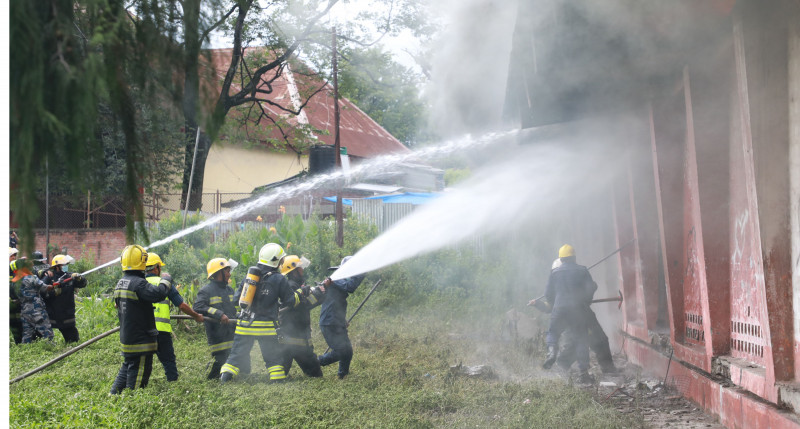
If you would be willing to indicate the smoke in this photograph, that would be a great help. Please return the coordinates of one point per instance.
(530, 185)
(469, 66)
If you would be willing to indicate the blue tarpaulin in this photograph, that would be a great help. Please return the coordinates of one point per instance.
(415, 198)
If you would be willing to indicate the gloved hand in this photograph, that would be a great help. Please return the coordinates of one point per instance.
(77, 277)
(224, 320)
(166, 277)
(305, 290)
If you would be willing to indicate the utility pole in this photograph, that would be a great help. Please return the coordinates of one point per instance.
(337, 147)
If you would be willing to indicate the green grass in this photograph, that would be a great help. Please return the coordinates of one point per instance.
(400, 377)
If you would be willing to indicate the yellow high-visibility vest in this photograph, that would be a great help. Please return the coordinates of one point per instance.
(161, 309)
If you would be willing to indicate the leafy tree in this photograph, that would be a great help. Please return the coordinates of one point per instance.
(59, 78)
(386, 91)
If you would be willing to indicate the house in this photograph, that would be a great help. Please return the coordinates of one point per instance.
(233, 168)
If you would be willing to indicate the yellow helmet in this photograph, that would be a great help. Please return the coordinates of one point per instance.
(293, 261)
(154, 259)
(134, 258)
(566, 251)
(215, 265)
(61, 260)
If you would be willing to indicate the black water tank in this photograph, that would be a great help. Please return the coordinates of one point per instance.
(321, 159)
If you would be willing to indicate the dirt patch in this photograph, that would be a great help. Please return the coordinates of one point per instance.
(646, 398)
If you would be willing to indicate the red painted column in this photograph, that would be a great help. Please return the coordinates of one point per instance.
(760, 259)
(666, 138)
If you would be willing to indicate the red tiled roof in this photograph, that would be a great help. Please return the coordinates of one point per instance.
(362, 136)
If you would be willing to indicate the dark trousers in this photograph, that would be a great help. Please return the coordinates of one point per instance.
(305, 357)
(69, 332)
(271, 351)
(166, 355)
(574, 319)
(16, 329)
(597, 341)
(135, 371)
(341, 348)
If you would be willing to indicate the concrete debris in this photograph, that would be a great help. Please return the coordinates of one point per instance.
(481, 371)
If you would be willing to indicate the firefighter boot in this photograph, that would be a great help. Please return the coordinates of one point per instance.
(552, 354)
(225, 377)
(585, 377)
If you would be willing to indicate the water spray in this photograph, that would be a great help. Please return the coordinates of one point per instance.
(368, 168)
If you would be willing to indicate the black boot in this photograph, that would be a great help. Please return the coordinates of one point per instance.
(226, 376)
(214, 374)
(552, 354)
(585, 378)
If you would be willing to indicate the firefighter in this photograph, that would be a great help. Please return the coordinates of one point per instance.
(295, 323)
(14, 309)
(259, 295)
(60, 300)
(134, 298)
(215, 302)
(33, 311)
(165, 351)
(333, 320)
(569, 291)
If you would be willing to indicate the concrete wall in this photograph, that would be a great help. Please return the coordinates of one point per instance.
(794, 168)
(102, 245)
(236, 169)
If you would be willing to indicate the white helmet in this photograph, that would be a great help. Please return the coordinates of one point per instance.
(556, 264)
(271, 254)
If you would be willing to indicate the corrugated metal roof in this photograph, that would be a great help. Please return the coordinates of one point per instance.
(362, 136)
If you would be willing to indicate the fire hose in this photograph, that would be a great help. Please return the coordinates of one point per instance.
(375, 286)
(86, 344)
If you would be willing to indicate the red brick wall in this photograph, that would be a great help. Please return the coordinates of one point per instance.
(102, 244)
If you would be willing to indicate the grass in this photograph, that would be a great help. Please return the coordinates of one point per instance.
(401, 377)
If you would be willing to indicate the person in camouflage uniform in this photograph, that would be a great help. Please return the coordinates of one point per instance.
(34, 312)
(14, 310)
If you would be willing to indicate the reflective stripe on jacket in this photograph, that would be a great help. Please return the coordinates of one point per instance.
(134, 297)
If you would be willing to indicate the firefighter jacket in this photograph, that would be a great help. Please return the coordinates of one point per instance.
(60, 301)
(272, 289)
(161, 308)
(570, 285)
(334, 308)
(213, 301)
(295, 322)
(134, 298)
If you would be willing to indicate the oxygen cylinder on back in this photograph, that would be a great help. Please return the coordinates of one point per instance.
(249, 288)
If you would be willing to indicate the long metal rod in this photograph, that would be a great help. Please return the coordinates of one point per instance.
(375, 286)
(71, 351)
(598, 262)
(191, 178)
(612, 253)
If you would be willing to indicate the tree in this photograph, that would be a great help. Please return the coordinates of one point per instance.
(386, 91)
(59, 78)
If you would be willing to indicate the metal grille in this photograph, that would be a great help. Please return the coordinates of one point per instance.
(747, 339)
(694, 329)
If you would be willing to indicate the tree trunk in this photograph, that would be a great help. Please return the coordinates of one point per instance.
(191, 99)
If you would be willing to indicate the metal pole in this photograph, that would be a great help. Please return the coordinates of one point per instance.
(191, 177)
(88, 209)
(71, 351)
(337, 145)
(47, 209)
(375, 286)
